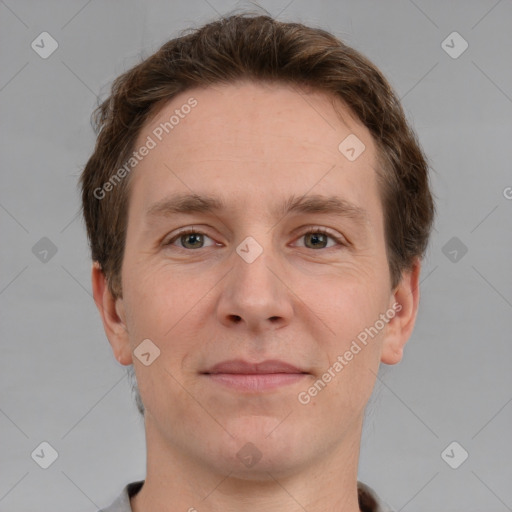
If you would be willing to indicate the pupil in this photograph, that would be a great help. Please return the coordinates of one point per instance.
(194, 237)
(316, 237)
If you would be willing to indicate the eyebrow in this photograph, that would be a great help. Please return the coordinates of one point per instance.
(194, 203)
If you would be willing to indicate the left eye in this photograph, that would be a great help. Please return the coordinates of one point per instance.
(318, 238)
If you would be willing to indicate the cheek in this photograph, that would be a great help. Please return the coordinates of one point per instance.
(351, 306)
(165, 307)
(352, 350)
(154, 297)
(347, 300)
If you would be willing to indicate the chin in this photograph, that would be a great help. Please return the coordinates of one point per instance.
(259, 448)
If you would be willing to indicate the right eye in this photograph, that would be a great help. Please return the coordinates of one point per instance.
(191, 237)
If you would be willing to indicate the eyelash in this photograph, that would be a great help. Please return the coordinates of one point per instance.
(310, 230)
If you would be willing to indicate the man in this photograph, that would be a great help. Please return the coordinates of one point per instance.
(257, 208)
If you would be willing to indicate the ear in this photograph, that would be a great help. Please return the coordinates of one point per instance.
(404, 301)
(113, 316)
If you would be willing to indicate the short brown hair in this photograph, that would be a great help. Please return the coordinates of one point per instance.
(258, 48)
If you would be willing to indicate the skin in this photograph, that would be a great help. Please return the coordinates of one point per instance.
(301, 301)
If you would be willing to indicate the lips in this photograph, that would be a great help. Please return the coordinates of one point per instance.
(242, 376)
(239, 366)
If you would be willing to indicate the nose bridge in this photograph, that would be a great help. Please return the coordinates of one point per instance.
(252, 263)
(253, 293)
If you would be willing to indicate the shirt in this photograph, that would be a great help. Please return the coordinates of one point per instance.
(368, 499)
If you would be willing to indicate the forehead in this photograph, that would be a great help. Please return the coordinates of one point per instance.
(252, 139)
(240, 115)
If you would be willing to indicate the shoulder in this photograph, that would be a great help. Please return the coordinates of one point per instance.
(369, 501)
(122, 502)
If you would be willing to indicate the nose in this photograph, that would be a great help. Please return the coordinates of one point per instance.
(254, 294)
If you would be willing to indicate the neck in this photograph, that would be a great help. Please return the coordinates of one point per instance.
(175, 481)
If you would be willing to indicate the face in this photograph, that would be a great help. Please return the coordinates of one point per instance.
(282, 263)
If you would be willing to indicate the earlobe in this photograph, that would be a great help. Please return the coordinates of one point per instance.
(113, 316)
(404, 301)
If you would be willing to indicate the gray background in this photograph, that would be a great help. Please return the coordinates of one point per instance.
(60, 381)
